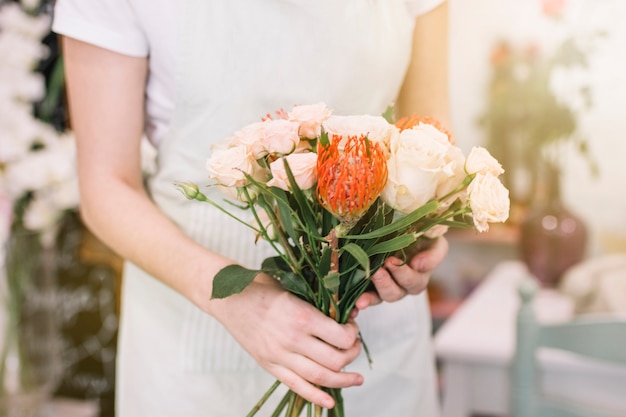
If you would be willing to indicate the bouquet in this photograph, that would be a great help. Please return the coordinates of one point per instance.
(337, 195)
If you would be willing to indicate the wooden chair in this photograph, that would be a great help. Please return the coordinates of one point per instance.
(602, 339)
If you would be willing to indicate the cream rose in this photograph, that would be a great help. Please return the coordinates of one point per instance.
(376, 128)
(41, 213)
(309, 118)
(455, 174)
(417, 164)
(489, 201)
(302, 165)
(228, 166)
(480, 160)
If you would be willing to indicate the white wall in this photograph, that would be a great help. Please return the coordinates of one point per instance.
(475, 27)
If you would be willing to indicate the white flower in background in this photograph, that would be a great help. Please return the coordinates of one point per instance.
(489, 201)
(14, 19)
(480, 161)
(18, 132)
(376, 128)
(42, 168)
(41, 214)
(20, 87)
(302, 165)
(20, 53)
(31, 4)
(37, 163)
(566, 83)
(416, 166)
(310, 118)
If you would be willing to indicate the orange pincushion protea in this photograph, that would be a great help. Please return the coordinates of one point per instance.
(352, 172)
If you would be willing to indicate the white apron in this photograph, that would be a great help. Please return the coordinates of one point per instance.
(238, 60)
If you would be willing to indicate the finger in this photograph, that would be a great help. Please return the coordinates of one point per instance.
(316, 374)
(341, 336)
(387, 288)
(429, 259)
(306, 389)
(367, 299)
(410, 280)
(328, 356)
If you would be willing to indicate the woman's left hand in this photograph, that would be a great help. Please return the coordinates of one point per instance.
(397, 279)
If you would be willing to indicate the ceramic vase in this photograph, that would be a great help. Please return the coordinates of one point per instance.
(552, 237)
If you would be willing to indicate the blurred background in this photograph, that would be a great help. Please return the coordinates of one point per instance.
(537, 81)
(540, 83)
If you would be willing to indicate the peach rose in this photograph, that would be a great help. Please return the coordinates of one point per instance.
(310, 118)
(228, 166)
(302, 165)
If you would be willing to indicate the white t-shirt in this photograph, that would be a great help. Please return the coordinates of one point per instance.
(144, 28)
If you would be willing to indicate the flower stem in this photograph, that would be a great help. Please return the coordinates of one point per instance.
(263, 399)
(334, 267)
(281, 406)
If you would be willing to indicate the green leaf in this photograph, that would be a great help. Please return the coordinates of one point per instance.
(390, 114)
(232, 279)
(303, 203)
(392, 245)
(399, 224)
(359, 254)
(331, 282)
(284, 212)
(324, 264)
(324, 141)
(296, 284)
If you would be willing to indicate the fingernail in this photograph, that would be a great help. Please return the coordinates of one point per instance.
(359, 380)
(328, 403)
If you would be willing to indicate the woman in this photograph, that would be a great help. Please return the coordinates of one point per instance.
(187, 74)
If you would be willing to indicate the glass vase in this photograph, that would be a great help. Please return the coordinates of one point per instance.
(30, 346)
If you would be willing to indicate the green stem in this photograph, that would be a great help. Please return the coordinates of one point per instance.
(263, 399)
(281, 406)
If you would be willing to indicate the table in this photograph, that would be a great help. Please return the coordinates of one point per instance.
(65, 407)
(476, 344)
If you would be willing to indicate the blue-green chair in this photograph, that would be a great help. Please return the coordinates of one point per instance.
(602, 339)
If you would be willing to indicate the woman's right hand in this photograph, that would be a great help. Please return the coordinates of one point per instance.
(291, 339)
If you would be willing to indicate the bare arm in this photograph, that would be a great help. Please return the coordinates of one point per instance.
(424, 93)
(288, 337)
(425, 88)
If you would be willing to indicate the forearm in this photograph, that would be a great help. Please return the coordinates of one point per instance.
(106, 99)
(123, 216)
(425, 91)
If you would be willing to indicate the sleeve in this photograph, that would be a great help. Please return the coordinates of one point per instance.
(109, 24)
(419, 7)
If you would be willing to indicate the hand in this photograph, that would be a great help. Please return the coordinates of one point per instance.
(291, 339)
(397, 279)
